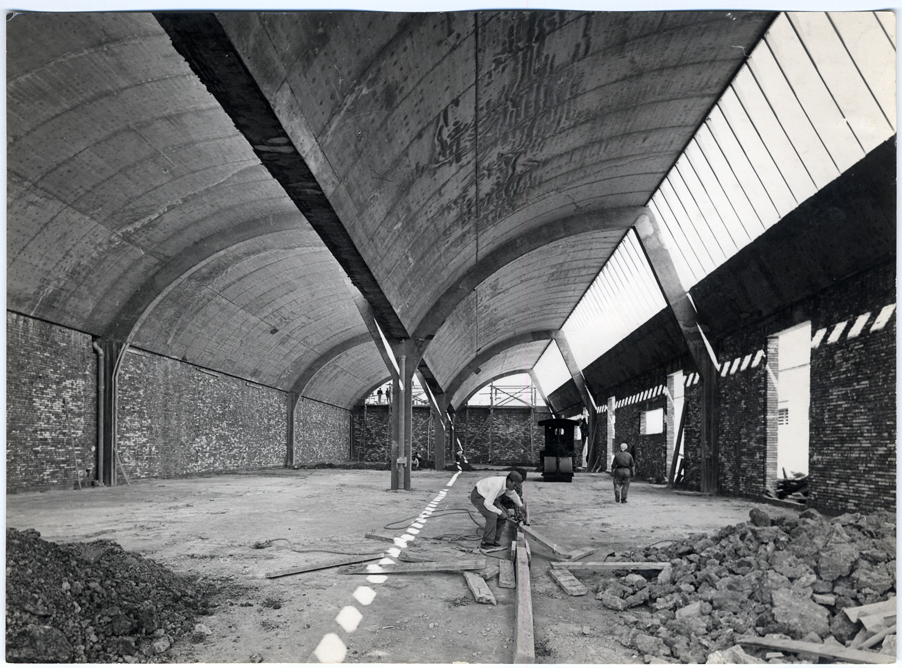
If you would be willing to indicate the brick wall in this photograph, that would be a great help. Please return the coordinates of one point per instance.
(322, 433)
(177, 420)
(641, 394)
(51, 404)
(853, 398)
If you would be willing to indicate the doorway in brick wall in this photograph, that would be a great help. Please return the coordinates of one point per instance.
(793, 372)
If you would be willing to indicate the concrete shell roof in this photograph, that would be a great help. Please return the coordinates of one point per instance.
(480, 166)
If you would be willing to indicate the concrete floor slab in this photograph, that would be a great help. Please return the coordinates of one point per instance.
(208, 526)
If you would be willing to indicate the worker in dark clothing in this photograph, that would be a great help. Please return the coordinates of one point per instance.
(623, 468)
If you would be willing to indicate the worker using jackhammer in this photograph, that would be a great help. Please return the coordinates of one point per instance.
(486, 498)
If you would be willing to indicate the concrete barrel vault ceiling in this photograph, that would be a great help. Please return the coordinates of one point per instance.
(203, 185)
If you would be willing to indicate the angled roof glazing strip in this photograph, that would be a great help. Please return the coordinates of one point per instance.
(792, 117)
(623, 296)
(756, 151)
(551, 369)
(815, 95)
(839, 72)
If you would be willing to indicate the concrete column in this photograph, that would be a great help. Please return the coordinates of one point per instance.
(108, 391)
(612, 423)
(293, 399)
(441, 430)
(702, 354)
(407, 355)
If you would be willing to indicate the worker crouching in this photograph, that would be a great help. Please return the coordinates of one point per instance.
(486, 497)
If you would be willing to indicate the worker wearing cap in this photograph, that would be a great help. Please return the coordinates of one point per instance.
(623, 467)
(485, 496)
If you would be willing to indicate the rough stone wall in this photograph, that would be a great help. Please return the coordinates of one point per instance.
(501, 435)
(372, 433)
(177, 420)
(853, 397)
(322, 433)
(51, 372)
(692, 438)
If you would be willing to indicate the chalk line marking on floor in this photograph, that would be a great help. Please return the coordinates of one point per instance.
(331, 648)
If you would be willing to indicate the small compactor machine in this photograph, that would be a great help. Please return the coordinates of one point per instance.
(558, 459)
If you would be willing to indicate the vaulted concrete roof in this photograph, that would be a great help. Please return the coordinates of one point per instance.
(201, 185)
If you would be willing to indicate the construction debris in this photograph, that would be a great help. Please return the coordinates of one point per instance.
(95, 603)
(807, 578)
(568, 582)
(479, 588)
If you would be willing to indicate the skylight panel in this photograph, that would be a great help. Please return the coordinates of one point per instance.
(793, 118)
(813, 94)
(732, 227)
(693, 216)
(778, 144)
(682, 247)
(888, 22)
(762, 213)
(551, 370)
(835, 66)
(861, 34)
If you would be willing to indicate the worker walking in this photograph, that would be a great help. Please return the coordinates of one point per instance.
(623, 467)
(485, 496)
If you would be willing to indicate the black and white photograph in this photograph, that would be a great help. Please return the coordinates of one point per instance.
(497, 335)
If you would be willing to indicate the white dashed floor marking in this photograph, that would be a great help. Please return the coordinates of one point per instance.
(331, 648)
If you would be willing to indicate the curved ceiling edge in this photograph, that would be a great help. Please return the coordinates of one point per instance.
(535, 237)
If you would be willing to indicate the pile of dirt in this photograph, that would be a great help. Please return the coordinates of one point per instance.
(94, 602)
(790, 577)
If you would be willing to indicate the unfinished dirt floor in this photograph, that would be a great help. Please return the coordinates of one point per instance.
(209, 527)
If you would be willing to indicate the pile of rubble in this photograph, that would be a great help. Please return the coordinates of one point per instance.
(94, 602)
(791, 577)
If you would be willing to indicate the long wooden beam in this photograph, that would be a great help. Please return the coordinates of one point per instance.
(828, 651)
(610, 566)
(421, 567)
(524, 638)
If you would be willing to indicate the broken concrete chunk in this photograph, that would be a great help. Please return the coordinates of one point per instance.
(875, 577)
(824, 599)
(759, 517)
(799, 614)
(651, 645)
(635, 580)
(836, 561)
(734, 654)
(611, 602)
(665, 577)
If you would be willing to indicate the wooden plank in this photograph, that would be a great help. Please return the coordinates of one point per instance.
(524, 638)
(874, 623)
(547, 542)
(491, 570)
(827, 651)
(577, 555)
(423, 567)
(506, 577)
(479, 588)
(877, 637)
(888, 606)
(568, 582)
(325, 564)
(609, 566)
(380, 536)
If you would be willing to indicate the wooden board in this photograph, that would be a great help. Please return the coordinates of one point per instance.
(830, 652)
(424, 567)
(380, 536)
(479, 588)
(491, 570)
(524, 638)
(568, 582)
(332, 563)
(874, 623)
(559, 551)
(609, 566)
(506, 577)
(576, 555)
(888, 606)
(876, 638)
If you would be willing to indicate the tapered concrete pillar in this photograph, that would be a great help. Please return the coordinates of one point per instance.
(407, 355)
(702, 354)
